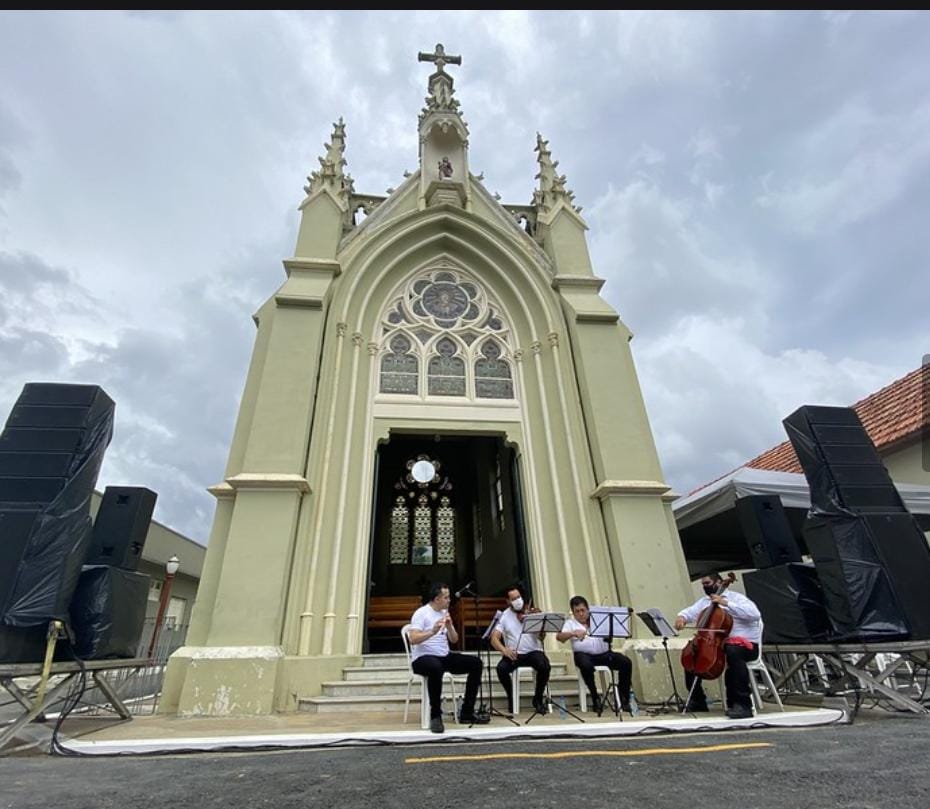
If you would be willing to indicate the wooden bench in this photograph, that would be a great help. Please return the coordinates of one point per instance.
(467, 625)
(387, 615)
(391, 613)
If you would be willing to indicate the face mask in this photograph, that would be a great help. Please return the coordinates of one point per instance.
(517, 604)
(711, 589)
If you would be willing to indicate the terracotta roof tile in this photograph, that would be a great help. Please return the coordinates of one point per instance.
(890, 416)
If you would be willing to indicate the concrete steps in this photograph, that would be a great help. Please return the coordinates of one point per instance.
(380, 684)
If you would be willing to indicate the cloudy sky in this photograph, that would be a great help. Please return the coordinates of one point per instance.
(757, 187)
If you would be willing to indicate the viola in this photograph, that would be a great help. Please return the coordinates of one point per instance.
(704, 655)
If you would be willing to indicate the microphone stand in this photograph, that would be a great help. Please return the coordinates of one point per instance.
(491, 710)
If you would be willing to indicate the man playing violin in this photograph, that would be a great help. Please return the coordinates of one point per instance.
(590, 652)
(740, 646)
(520, 649)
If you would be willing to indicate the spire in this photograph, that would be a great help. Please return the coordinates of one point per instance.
(443, 138)
(551, 184)
(440, 83)
(330, 174)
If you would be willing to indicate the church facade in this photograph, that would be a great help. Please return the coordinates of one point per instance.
(437, 391)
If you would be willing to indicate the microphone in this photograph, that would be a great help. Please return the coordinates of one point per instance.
(466, 589)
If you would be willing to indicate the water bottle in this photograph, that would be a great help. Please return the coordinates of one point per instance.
(563, 711)
(634, 706)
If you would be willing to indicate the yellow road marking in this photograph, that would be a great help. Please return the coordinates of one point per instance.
(650, 751)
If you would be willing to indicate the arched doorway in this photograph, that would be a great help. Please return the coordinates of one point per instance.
(447, 508)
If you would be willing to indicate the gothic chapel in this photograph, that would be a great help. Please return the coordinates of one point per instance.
(437, 392)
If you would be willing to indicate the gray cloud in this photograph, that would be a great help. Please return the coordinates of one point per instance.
(756, 184)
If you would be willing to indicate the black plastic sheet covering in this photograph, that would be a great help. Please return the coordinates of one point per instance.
(824, 495)
(857, 590)
(108, 612)
(49, 569)
(791, 601)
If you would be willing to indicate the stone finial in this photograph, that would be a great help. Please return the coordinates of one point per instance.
(551, 184)
(331, 174)
(440, 83)
(439, 58)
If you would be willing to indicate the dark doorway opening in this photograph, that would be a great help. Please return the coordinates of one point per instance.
(447, 508)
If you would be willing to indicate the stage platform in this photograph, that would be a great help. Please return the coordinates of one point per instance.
(170, 735)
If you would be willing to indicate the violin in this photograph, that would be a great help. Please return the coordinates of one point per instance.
(528, 610)
(704, 655)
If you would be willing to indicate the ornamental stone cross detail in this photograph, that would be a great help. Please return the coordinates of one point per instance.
(440, 58)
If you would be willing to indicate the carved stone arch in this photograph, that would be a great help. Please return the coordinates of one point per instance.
(521, 283)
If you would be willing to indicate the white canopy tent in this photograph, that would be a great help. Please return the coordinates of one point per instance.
(791, 488)
(711, 534)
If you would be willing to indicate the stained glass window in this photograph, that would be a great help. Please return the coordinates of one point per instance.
(422, 532)
(446, 372)
(399, 369)
(492, 374)
(400, 532)
(445, 532)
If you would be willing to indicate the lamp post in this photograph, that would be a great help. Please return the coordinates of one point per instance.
(171, 568)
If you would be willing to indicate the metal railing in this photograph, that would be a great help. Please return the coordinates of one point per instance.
(140, 688)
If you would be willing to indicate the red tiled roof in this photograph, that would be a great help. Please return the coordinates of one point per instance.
(890, 416)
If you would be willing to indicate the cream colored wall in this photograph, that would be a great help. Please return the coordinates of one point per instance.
(564, 526)
(287, 569)
(906, 465)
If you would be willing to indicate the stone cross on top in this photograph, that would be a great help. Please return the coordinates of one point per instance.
(440, 58)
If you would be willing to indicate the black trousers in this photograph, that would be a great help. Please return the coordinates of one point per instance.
(735, 677)
(433, 667)
(617, 661)
(535, 660)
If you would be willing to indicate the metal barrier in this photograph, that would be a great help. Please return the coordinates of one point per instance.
(140, 688)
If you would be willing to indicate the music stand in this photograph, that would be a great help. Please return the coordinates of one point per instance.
(609, 623)
(661, 628)
(486, 637)
(533, 624)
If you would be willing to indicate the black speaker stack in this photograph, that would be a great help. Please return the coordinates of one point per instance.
(51, 451)
(872, 560)
(108, 609)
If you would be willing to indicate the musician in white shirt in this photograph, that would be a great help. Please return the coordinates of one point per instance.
(740, 646)
(590, 652)
(430, 631)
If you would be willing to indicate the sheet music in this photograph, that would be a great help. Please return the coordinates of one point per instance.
(610, 622)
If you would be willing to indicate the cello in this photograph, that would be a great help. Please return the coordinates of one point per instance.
(704, 655)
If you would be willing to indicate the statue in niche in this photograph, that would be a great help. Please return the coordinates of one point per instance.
(445, 169)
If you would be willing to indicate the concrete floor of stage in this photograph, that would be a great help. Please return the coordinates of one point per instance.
(167, 734)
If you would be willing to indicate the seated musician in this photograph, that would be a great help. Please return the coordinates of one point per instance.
(519, 649)
(431, 630)
(590, 652)
(741, 645)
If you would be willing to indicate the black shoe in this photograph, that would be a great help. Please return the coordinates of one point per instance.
(436, 726)
(596, 705)
(696, 707)
(539, 704)
(625, 706)
(474, 719)
(739, 712)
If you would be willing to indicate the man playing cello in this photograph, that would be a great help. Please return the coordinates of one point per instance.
(740, 646)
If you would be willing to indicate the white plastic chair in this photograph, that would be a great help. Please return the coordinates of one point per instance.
(758, 666)
(530, 672)
(424, 692)
(604, 671)
(755, 666)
